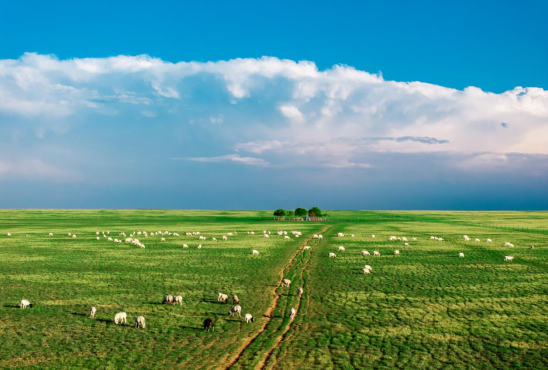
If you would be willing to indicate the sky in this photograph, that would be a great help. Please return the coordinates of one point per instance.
(242, 105)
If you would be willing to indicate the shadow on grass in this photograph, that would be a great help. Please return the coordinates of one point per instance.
(12, 306)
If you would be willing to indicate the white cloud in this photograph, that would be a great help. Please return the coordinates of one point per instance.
(235, 158)
(35, 169)
(342, 113)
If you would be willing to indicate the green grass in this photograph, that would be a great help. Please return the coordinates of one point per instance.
(426, 308)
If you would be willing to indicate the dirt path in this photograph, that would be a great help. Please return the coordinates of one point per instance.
(268, 314)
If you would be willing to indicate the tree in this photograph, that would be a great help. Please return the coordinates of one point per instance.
(315, 212)
(280, 212)
(301, 212)
(289, 213)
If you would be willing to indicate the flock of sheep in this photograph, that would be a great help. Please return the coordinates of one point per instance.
(236, 309)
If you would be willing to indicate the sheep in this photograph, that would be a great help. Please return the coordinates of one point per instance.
(69, 234)
(341, 248)
(92, 312)
(396, 252)
(120, 317)
(9, 234)
(214, 239)
(185, 246)
(286, 237)
(306, 247)
(368, 267)
(414, 239)
(315, 236)
(508, 258)
(376, 253)
(225, 237)
(366, 271)
(266, 236)
(140, 322)
(406, 244)
(200, 246)
(508, 244)
(477, 240)
(340, 235)
(50, 234)
(248, 318)
(332, 255)
(292, 313)
(168, 299)
(404, 239)
(222, 298)
(24, 304)
(365, 253)
(352, 236)
(461, 255)
(98, 238)
(209, 324)
(97, 233)
(373, 236)
(109, 239)
(236, 310)
(532, 247)
(489, 241)
(300, 292)
(255, 252)
(163, 239)
(178, 300)
(466, 238)
(286, 282)
(392, 238)
(235, 299)
(74, 235)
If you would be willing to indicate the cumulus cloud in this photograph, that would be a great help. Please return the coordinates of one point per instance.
(289, 111)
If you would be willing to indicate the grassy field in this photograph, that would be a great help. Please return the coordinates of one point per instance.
(426, 308)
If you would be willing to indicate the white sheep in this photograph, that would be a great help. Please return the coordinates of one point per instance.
(368, 267)
(163, 239)
(477, 239)
(365, 253)
(225, 237)
(292, 313)
(266, 236)
(352, 236)
(50, 234)
(300, 291)
(120, 317)
(414, 239)
(248, 318)
(74, 235)
(508, 258)
(222, 298)
(392, 238)
(9, 234)
(98, 238)
(24, 304)
(200, 246)
(214, 239)
(406, 244)
(306, 247)
(332, 255)
(366, 271)
(396, 252)
(466, 238)
(178, 300)
(286, 237)
(168, 299)
(236, 310)
(255, 252)
(286, 282)
(69, 234)
(376, 253)
(340, 235)
(92, 312)
(140, 322)
(185, 246)
(404, 239)
(489, 241)
(373, 235)
(461, 255)
(341, 248)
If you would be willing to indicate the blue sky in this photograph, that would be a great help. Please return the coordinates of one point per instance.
(353, 105)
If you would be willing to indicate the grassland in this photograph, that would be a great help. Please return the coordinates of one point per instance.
(426, 308)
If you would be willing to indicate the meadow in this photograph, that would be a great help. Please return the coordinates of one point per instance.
(424, 309)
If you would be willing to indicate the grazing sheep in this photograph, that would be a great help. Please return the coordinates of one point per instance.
(477, 240)
(332, 255)
(300, 292)
(532, 247)
(185, 246)
(376, 253)
(120, 317)
(214, 239)
(406, 244)
(461, 255)
(24, 304)
(368, 267)
(508, 258)
(366, 271)
(140, 322)
(414, 239)
(9, 234)
(163, 239)
(200, 246)
(235, 299)
(168, 299)
(404, 239)
(236, 310)
(396, 252)
(341, 248)
(50, 234)
(365, 253)
(74, 235)
(209, 324)
(286, 237)
(340, 235)
(292, 313)
(306, 247)
(286, 282)
(225, 237)
(69, 234)
(222, 298)
(392, 238)
(466, 238)
(489, 241)
(373, 235)
(508, 244)
(178, 300)
(92, 312)
(352, 236)
(98, 238)
(248, 318)
(255, 252)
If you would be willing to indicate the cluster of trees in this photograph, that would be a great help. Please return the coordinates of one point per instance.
(299, 212)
